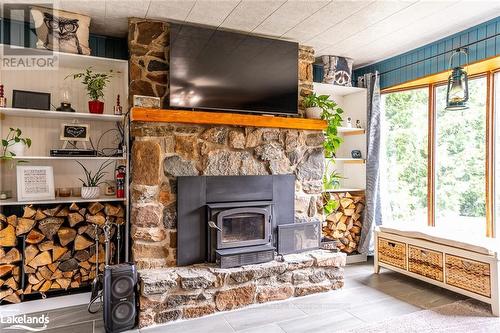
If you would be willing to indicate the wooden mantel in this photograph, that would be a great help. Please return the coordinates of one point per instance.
(221, 118)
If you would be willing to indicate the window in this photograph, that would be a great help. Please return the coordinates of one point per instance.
(460, 160)
(405, 148)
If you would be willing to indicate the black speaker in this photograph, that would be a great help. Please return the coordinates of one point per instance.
(120, 310)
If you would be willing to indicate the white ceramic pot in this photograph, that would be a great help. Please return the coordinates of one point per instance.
(90, 192)
(17, 148)
(314, 112)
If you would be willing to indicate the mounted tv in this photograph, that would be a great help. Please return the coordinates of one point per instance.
(220, 70)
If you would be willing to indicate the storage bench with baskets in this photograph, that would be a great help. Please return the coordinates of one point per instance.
(464, 267)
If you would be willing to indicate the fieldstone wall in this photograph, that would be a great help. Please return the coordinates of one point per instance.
(162, 152)
(306, 60)
(148, 44)
(199, 290)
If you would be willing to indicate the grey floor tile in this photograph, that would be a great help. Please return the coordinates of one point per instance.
(339, 299)
(271, 328)
(211, 324)
(86, 327)
(99, 327)
(382, 310)
(326, 322)
(262, 315)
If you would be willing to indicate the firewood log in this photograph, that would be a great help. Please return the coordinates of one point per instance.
(6, 269)
(111, 210)
(11, 283)
(32, 279)
(40, 260)
(45, 286)
(45, 272)
(84, 264)
(63, 212)
(98, 219)
(81, 255)
(3, 218)
(68, 265)
(95, 207)
(38, 285)
(12, 298)
(53, 266)
(74, 207)
(39, 215)
(75, 218)
(64, 283)
(57, 274)
(28, 289)
(50, 226)
(8, 236)
(12, 256)
(30, 252)
(52, 211)
(24, 225)
(81, 243)
(12, 220)
(58, 252)
(34, 237)
(45, 246)
(66, 235)
(29, 212)
(28, 269)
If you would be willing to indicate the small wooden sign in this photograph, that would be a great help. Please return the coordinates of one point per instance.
(74, 132)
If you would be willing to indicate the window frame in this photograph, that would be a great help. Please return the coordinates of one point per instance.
(491, 226)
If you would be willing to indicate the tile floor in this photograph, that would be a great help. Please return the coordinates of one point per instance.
(365, 298)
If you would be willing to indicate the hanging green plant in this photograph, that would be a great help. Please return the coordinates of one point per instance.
(330, 112)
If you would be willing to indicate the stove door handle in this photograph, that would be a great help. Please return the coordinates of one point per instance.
(212, 224)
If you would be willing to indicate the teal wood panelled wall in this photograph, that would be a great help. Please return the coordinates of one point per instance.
(21, 34)
(483, 41)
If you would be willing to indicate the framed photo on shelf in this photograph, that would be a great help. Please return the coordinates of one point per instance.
(35, 183)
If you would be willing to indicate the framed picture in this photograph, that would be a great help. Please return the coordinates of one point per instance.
(74, 132)
(35, 183)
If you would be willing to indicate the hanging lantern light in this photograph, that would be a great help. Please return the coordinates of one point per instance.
(457, 94)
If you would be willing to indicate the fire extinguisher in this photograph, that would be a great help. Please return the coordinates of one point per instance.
(120, 181)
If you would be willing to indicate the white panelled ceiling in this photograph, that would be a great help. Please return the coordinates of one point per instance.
(365, 30)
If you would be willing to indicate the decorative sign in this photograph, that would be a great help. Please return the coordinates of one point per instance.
(147, 102)
(35, 183)
(356, 153)
(74, 132)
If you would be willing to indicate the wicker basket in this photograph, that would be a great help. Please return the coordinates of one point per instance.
(468, 274)
(392, 253)
(425, 262)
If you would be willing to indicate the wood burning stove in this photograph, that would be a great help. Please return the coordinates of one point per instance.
(240, 233)
(232, 220)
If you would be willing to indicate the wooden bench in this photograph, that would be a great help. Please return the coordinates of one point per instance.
(466, 267)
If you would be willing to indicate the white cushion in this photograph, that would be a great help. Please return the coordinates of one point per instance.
(483, 245)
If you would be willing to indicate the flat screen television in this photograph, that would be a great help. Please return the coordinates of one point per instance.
(220, 70)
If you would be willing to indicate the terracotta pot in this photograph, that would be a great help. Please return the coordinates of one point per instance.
(96, 107)
(90, 192)
(314, 112)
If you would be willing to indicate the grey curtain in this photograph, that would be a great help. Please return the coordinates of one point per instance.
(373, 208)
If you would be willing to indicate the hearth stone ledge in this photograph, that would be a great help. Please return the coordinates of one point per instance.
(176, 293)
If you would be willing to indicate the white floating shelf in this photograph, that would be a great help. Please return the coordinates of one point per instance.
(339, 190)
(350, 130)
(348, 159)
(31, 113)
(71, 60)
(71, 158)
(14, 202)
(330, 89)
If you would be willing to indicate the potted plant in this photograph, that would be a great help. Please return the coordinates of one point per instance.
(95, 84)
(90, 186)
(312, 103)
(13, 144)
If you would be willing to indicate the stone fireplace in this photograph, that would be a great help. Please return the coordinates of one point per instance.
(275, 183)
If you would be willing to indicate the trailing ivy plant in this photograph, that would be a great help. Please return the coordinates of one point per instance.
(332, 181)
(331, 205)
(94, 82)
(13, 137)
(331, 112)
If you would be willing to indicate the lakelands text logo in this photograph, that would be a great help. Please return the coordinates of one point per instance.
(24, 322)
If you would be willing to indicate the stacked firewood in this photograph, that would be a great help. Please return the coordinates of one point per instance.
(60, 244)
(344, 224)
(10, 261)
